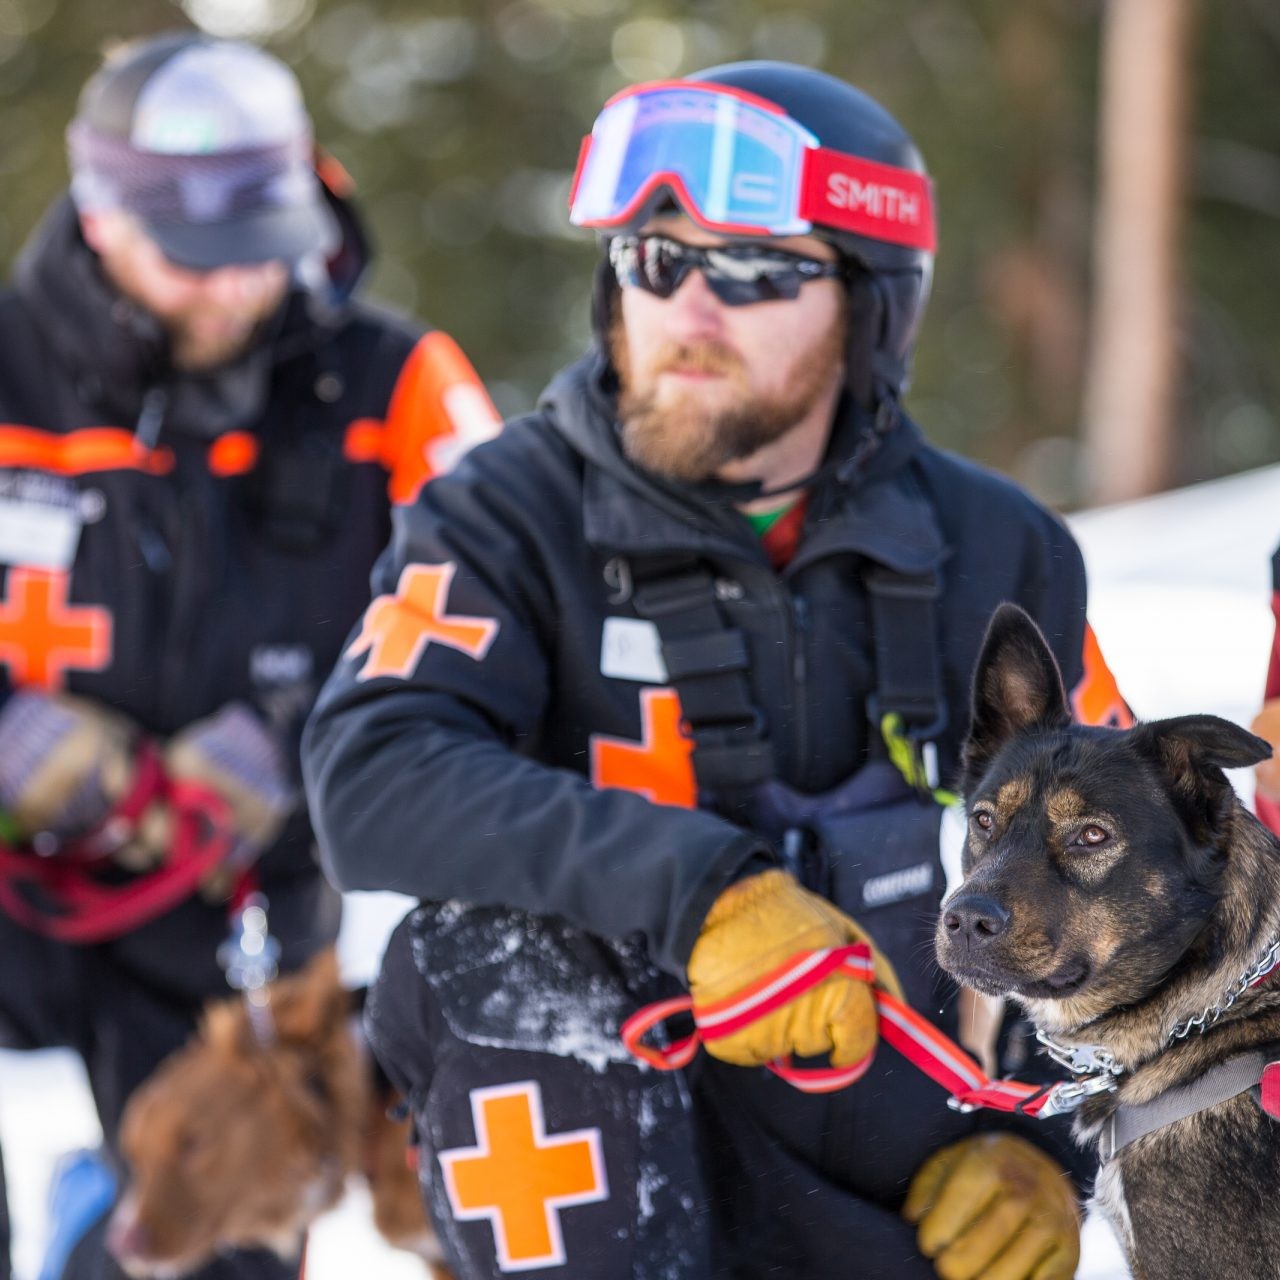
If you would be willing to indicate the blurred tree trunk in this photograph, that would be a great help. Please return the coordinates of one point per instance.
(1131, 378)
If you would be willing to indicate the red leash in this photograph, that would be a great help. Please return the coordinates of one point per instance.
(918, 1040)
(81, 908)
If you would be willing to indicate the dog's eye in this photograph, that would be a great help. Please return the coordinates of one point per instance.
(983, 820)
(1092, 836)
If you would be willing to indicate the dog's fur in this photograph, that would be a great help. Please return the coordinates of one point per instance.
(1114, 885)
(240, 1141)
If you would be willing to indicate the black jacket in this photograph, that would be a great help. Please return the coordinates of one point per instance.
(189, 540)
(455, 758)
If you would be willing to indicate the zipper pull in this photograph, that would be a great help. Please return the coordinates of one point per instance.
(800, 606)
(146, 430)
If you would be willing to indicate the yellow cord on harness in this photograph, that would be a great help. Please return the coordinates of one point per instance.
(905, 757)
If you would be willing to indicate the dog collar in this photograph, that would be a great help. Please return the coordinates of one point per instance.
(1206, 1018)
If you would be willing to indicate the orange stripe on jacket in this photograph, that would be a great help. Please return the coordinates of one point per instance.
(439, 409)
(77, 453)
(1097, 698)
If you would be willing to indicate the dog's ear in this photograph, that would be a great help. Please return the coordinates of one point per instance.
(1192, 751)
(313, 1003)
(1016, 686)
(224, 1028)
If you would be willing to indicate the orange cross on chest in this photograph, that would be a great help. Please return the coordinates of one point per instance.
(42, 636)
(520, 1178)
(659, 766)
(398, 628)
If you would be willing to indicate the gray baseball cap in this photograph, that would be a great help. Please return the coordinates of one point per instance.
(207, 143)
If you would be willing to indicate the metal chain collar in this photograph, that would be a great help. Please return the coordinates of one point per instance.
(1095, 1068)
(1203, 1020)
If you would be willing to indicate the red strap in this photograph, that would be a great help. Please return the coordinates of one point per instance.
(1270, 1089)
(84, 910)
(148, 785)
(917, 1039)
(723, 1017)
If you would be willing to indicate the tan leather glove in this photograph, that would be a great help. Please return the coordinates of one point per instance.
(64, 762)
(752, 928)
(993, 1207)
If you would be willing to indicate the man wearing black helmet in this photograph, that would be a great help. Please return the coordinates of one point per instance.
(199, 424)
(659, 686)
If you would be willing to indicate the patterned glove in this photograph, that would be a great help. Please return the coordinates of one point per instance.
(993, 1207)
(233, 754)
(64, 762)
(751, 929)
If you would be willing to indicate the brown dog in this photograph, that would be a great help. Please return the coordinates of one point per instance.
(246, 1135)
(1116, 888)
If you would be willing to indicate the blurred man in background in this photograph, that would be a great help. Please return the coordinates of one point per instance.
(659, 685)
(200, 428)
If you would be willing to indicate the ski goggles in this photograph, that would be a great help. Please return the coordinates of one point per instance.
(738, 274)
(738, 164)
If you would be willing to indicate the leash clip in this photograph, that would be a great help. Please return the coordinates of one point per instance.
(1067, 1097)
(250, 957)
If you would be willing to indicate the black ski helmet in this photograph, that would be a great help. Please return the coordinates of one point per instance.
(888, 281)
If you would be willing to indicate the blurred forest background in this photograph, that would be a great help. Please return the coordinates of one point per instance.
(460, 121)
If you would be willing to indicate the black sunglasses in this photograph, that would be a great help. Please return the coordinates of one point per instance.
(738, 274)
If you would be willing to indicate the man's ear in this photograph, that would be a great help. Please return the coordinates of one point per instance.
(105, 230)
(1192, 751)
(94, 229)
(1016, 686)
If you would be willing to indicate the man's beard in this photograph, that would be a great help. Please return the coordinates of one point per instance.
(196, 350)
(683, 439)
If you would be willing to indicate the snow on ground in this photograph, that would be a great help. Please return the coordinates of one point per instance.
(1179, 595)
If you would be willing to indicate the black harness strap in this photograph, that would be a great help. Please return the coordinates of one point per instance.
(908, 662)
(707, 662)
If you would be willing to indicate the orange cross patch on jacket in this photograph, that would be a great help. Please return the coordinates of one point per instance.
(439, 409)
(42, 636)
(398, 628)
(659, 766)
(520, 1177)
(1097, 698)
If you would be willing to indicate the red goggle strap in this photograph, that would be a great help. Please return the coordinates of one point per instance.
(879, 201)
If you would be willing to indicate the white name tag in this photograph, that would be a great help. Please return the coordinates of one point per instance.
(630, 650)
(38, 535)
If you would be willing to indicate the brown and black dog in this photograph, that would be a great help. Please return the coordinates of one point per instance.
(246, 1135)
(1115, 887)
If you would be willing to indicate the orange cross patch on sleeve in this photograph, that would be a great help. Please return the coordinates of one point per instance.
(1097, 698)
(520, 1178)
(398, 628)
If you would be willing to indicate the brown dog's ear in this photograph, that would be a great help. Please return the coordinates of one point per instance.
(1195, 741)
(1192, 751)
(311, 1003)
(1016, 686)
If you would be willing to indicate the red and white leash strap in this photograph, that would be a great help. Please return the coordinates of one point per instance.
(921, 1043)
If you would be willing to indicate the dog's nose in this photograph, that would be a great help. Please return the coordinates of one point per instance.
(975, 919)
